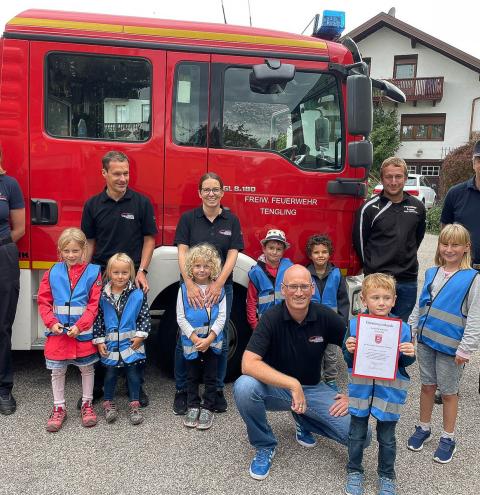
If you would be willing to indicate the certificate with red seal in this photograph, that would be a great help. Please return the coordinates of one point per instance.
(376, 350)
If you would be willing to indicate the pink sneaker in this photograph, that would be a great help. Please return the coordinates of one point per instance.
(89, 418)
(56, 419)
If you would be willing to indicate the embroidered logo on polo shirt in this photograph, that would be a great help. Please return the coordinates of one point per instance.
(3, 198)
(315, 339)
(128, 216)
(410, 209)
(225, 232)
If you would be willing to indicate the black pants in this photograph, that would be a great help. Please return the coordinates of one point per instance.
(9, 290)
(205, 365)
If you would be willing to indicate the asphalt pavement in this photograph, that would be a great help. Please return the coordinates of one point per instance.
(161, 456)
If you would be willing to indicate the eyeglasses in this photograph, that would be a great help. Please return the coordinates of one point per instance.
(292, 288)
(206, 191)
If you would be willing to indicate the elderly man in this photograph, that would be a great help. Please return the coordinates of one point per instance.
(281, 367)
(119, 220)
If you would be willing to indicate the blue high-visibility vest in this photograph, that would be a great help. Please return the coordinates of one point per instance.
(330, 291)
(268, 295)
(383, 399)
(70, 304)
(201, 322)
(442, 323)
(119, 330)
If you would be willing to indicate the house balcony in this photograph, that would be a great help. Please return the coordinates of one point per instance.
(417, 89)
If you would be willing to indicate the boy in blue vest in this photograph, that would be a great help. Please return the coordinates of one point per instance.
(330, 290)
(381, 399)
(266, 277)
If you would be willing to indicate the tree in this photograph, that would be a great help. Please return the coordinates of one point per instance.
(385, 136)
(457, 167)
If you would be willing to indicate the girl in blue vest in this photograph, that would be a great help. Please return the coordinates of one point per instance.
(68, 303)
(378, 398)
(266, 277)
(331, 290)
(202, 335)
(122, 324)
(446, 321)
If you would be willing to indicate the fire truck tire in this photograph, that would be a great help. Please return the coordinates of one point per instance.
(239, 333)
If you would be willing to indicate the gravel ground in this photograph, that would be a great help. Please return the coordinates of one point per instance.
(162, 457)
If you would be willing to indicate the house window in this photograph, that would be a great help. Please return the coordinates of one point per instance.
(430, 170)
(422, 127)
(120, 114)
(412, 169)
(405, 67)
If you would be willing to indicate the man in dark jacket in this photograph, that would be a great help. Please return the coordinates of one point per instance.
(388, 231)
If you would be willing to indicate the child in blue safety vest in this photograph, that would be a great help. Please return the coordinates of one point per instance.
(122, 325)
(201, 335)
(68, 303)
(331, 290)
(446, 321)
(375, 397)
(266, 277)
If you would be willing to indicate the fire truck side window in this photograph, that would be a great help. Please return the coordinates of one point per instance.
(303, 122)
(98, 97)
(190, 110)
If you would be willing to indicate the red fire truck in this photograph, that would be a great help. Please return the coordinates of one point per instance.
(282, 118)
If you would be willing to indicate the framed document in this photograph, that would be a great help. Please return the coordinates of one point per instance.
(376, 351)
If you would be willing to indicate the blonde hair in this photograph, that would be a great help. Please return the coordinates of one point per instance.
(378, 281)
(72, 234)
(456, 234)
(122, 258)
(2, 170)
(205, 252)
(396, 162)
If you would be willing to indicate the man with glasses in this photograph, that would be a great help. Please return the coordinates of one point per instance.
(281, 367)
(387, 234)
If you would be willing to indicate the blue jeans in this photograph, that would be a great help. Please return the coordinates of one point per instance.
(134, 378)
(406, 299)
(387, 446)
(180, 368)
(254, 399)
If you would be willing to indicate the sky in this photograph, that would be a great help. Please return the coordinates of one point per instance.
(457, 25)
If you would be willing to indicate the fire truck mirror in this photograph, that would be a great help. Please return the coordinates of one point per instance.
(360, 154)
(359, 105)
(271, 77)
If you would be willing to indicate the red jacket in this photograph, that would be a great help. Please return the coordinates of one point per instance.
(61, 347)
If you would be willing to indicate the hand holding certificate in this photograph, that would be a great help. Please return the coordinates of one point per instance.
(376, 349)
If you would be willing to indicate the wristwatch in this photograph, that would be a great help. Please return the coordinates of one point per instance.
(143, 270)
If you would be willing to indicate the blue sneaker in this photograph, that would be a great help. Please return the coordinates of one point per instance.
(386, 486)
(445, 450)
(261, 463)
(333, 385)
(416, 441)
(354, 484)
(304, 437)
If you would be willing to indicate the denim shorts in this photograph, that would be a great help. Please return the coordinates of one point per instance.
(437, 368)
(83, 361)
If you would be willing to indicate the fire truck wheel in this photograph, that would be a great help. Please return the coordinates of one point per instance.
(239, 332)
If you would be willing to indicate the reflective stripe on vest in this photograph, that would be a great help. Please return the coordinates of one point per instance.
(442, 323)
(268, 295)
(119, 332)
(70, 304)
(330, 291)
(383, 399)
(201, 322)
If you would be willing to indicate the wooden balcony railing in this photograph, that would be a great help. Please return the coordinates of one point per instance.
(419, 88)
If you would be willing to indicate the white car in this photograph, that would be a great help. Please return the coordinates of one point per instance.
(417, 186)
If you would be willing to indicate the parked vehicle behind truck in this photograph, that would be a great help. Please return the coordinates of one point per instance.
(282, 118)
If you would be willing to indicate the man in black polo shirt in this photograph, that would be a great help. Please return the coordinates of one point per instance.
(281, 367)
(119, 220)
(462, 205)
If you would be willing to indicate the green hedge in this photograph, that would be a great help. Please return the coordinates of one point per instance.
(433, 219)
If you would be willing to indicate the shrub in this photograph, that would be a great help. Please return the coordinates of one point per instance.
(456, 168)
(433, 219)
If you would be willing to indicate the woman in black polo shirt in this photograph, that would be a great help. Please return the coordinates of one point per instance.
(211, 223)
(12, 228)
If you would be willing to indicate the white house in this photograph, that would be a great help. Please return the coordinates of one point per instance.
(441, 83)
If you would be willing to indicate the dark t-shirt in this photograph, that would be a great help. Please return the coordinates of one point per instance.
(118, 226)
(462, 205)
(297, 349)
(223, 233)
(11, 198)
